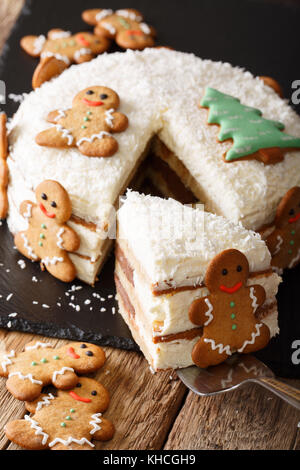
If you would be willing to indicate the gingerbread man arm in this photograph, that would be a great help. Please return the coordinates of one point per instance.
(53, 116)
(30, 46)
(71, 240)
(26, 208)
(90, 16)
(272, 241)
(199, 311)
(106, 431)
(257, 294)
(119, 122)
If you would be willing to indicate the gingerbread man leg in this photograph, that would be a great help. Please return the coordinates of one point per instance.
(24, 388)
(23, 245)
(204, 355)
(104, 147)
(62, 269)
(55, 137)
(16, 430)
(260, 341)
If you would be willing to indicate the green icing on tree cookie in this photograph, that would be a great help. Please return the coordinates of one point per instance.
(247, 128)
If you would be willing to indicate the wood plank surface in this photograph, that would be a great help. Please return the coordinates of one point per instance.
(155, 411)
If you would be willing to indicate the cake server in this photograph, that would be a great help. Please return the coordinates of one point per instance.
(233, 373)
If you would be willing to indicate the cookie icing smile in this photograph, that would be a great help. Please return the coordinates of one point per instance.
(78, 398)
(294, 219)
(92, 103)
(48, 214)
(231, 290)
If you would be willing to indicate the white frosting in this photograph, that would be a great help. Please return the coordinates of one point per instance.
(82, 51)
(7, 360)
(55, 259)
(254, 335)
(63, 58)
(25, 377)
(103, 14)
(208, 312)
(174, 243)
(100, 135)
(38, 430)
(129, 14)
(39, 44)
(60, 34)
(110, 28)
(109, 119)
(29, 249)
(45, 401)
(67, 442)
(61, 372)
(95, 421)
(60, 241)
(253, 297)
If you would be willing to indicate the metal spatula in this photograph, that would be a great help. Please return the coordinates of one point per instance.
(236, 371)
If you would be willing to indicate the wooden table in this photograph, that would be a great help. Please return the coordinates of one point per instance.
(156, 411)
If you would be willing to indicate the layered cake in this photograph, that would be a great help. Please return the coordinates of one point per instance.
(170, 117)
(163, 252)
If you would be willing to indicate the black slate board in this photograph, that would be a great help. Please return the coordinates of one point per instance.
(260, 36)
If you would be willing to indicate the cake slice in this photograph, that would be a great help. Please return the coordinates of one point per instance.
(163, 251)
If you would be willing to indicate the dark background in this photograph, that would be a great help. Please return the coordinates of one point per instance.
(262, 36)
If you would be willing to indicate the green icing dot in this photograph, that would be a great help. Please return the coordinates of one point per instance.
(56, 357)
(232, 304)
(292, 242)
(72, 410)
(86, 118)
(68, 418)
(234, 327)
(40, 244)
(43, 226)
(42, 235)
(34, 363)
(89, 113)
(72, 43)
(63, 425)
(290, 252)
(83, 127)
(293, 232)
(232, 316)
(44, 360)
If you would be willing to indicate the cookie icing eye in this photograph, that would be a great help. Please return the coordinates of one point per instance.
(90, 92)
(94, 393)
(103, 96)
(78, 385)
(44, 196)
(292, 212)
(239, 268)
(83, 346)
(224, 272)
(53, 204)
(89, 353)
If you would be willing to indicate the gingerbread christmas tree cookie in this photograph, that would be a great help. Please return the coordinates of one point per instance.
(69, 421)
(227, 315)
(61, 49)
(253, 136)
(284, 241)
(48, 238)
(88, 125)
(40, 365)
(125, 26)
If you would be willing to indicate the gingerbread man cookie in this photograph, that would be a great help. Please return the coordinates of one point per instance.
(227, 315)
(48, 238)
(68, 421)
(3, 166)
(61, 49)
(88, 125)
(40, 365)
(284, 241)
(125, 26)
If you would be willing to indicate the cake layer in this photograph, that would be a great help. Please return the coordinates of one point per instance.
(174, 243)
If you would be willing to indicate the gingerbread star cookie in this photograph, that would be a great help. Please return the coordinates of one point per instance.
(227, 315)
(3, 166)
(125, 26)
(40, 365)
(284, 241)
(88, 125)
(48, 238)
(68, 421)
(61, 49)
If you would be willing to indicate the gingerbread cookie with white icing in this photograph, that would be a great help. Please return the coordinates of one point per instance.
(3, 166)
(60, 50)
(125, 26)
(48, 238)
(40, 365)
(227, 315)
(69, 421)
(284, 241)
(88, 125)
